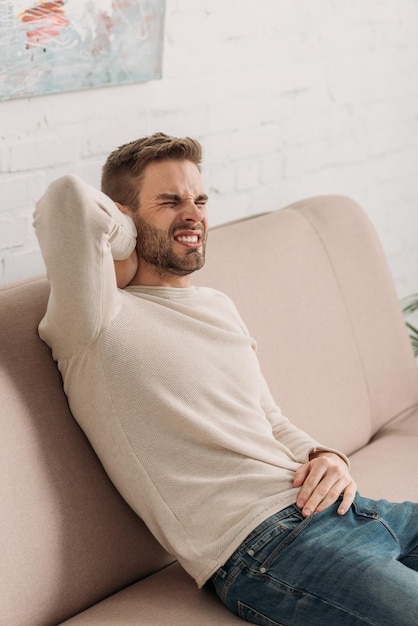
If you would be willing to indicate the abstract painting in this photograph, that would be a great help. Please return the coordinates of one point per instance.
(65, 45)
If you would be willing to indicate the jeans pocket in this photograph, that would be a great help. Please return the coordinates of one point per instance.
(276, 538)
(359, 506)
(255, 617)
(225, 576)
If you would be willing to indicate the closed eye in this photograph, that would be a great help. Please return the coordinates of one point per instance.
(202, 200)
(168, 199)
(173, 200)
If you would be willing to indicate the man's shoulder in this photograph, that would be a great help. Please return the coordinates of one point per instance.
(211, 292)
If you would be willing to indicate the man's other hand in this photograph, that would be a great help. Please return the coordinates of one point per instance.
(322, 480)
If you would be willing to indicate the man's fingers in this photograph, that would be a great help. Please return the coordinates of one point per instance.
(323, 485)
(315, 475)
(300, 475)
(325, 494)
(348, 498)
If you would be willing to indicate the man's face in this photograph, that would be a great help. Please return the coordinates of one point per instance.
(171, 222)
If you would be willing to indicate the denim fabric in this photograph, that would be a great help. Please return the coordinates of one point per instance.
(327, 569)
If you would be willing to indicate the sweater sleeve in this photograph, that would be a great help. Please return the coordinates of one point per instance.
(80, 232)
(297, 441)
(300, 444)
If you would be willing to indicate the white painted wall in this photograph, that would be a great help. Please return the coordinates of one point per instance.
(290, 98)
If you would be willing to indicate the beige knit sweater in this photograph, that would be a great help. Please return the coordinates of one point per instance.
(166, 384)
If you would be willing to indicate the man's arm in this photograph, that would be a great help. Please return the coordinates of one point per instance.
(81, 232)
(324, 473)
(125, 270)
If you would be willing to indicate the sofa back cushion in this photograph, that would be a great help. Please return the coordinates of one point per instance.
(312, 284)
(68, 539)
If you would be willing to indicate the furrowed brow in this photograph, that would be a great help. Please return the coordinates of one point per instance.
(174, 197)
(168, 196)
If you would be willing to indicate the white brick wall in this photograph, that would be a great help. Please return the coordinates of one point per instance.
(290, 98)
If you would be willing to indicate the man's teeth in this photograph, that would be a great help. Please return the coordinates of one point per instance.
(188, 238)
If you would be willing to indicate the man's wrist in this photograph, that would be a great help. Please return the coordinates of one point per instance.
(317, 452)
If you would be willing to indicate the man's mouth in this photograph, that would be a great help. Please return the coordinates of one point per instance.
(189, 239)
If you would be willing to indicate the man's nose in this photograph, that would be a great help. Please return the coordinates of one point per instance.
(192, 212)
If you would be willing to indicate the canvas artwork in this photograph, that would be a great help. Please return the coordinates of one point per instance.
(65, 45)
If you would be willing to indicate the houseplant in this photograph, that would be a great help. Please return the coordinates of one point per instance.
(409, 306)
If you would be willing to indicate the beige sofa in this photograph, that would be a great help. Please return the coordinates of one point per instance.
(312, 284)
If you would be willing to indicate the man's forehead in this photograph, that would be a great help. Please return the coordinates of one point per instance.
(172, 177)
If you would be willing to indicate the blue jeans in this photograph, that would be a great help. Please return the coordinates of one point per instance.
(326, 569)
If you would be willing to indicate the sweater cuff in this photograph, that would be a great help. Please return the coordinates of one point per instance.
(123, 238)
(333, 450)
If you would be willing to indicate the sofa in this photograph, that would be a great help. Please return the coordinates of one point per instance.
(312, 284)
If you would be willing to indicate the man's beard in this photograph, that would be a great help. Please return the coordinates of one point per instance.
(156, 248)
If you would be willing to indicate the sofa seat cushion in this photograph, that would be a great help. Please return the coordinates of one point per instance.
(387, 466)
(169, 597)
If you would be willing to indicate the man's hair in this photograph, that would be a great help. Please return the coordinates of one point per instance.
(124, 169)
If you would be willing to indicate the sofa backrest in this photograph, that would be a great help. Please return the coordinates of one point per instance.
(67, 538)
(313, 286)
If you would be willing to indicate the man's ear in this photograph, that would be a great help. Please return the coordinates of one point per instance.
(124, 208)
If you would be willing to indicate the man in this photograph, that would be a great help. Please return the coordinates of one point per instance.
(163, 378)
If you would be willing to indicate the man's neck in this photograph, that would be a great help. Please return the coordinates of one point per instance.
(149, 276)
